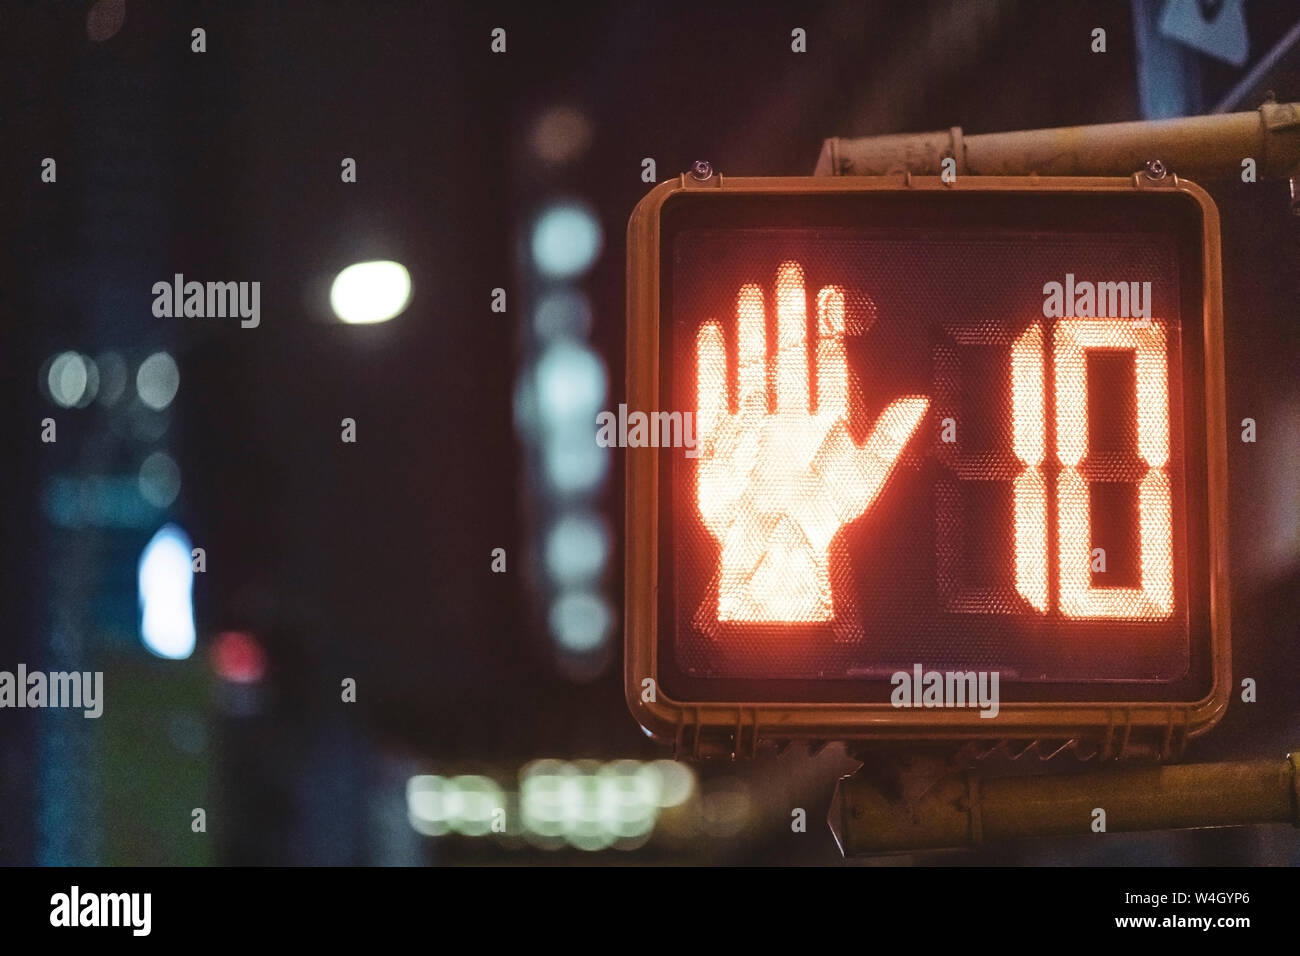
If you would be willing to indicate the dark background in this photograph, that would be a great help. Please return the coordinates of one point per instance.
(371, 560)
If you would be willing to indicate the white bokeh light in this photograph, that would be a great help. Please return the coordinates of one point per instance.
(566, 240)
(157, 380)
(580, 621)
(370, 292)
(577, 548)
(69, 379)
(166, 582)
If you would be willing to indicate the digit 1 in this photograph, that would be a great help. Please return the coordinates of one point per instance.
(1073, 337)
(1023, 470)
(1029, 490)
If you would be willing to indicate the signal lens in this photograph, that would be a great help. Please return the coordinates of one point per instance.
(904, 458)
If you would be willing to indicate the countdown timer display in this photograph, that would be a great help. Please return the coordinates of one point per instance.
(959, 431)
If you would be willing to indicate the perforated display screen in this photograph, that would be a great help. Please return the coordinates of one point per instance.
(961, 433)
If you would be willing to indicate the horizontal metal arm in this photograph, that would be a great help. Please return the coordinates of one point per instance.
(1208, 147)
(966, 810)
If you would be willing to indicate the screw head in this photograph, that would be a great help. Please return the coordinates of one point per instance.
(701, 170)
(1156, 170)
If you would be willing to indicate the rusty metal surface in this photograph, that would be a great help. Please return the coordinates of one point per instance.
(1197, 146)
(967, 809)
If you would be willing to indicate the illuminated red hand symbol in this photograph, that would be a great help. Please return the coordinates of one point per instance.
(775, 487)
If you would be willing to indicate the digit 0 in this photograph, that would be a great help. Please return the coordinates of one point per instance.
(1073, 338)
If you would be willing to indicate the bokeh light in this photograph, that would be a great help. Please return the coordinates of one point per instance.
(157, 380)
(72, 380)
(580, 621)
(160, 479)
(369, 292)
(566, 240)
(561, 134)
(112, 377)
(166, 584)
(577, 548)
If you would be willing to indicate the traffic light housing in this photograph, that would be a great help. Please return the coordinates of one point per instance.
(925, 460)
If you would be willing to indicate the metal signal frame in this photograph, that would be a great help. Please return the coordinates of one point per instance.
(716, 727)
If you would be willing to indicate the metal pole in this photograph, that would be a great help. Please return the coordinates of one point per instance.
(1197, 146)
(965, 810)
(1257, 72)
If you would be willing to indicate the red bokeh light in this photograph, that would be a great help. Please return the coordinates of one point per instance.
(238, 657)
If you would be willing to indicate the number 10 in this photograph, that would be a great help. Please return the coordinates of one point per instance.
(1072, 338)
